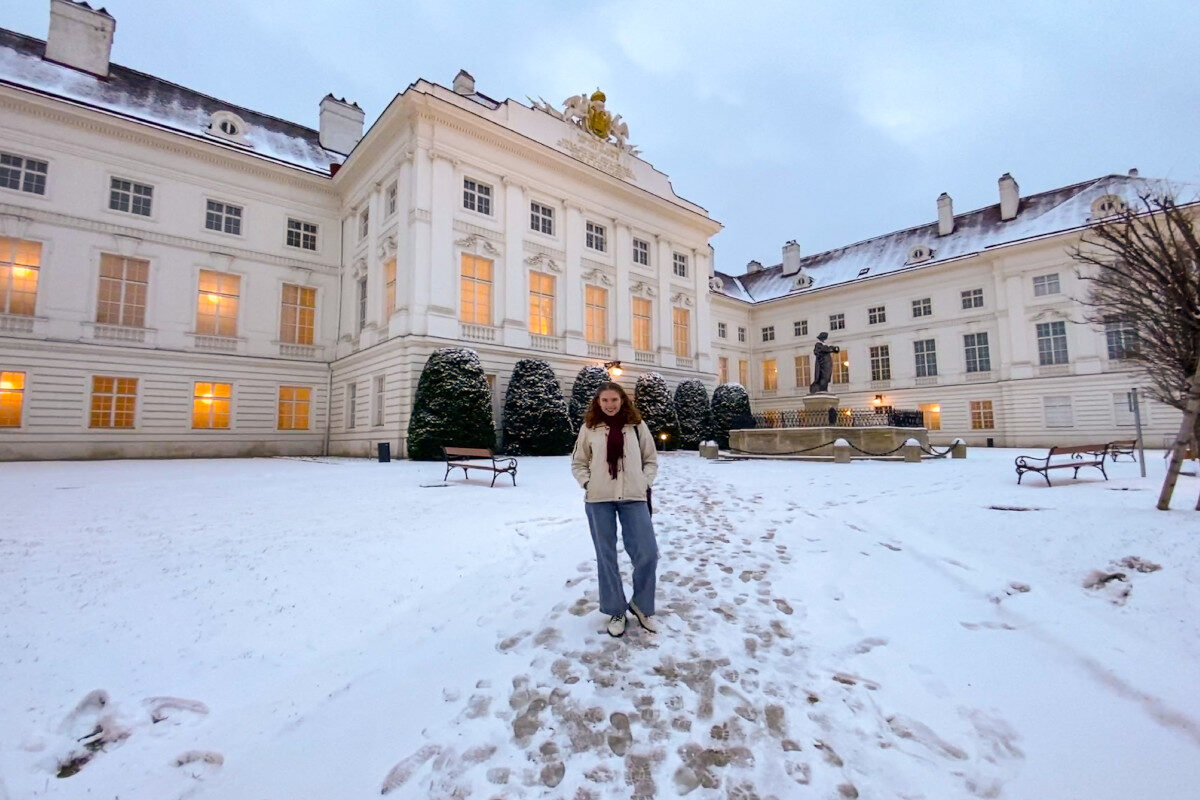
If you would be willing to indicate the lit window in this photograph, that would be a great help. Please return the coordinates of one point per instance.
(1052, 343)
(722, 369)
(803, 367)
(932, 413)
(978, 356)
(389, 200)
(352, 405)
(841, 368)
(223, 217)
(19, 265)
(922, 307)
(596, 237)
(389, 287)
(130, 197)
(1122, 339)
(741, 334)
(641, 252)
(596, 314)
(982, 418)
(641, 323)
(297, 314)
(475, 290)
(113, 402)
(1045, 284)
(1057, 411)
(362, 302)
(377, 385)
(477, 196)
(364, 223)
(768, 333)
(800, 327)
(722, 330)
(925, 355)
(12, 398)
(680, 319)
(121, 299)
(217, 304)
(770, 375)
(679, 264)
(972, 298)
(211, 404)
(541, 304)
(294, 405)
(743, 372)
(23, 174)
(541, 218)
(301, 234)
(876, 315)
(881, 363)
(837, 322)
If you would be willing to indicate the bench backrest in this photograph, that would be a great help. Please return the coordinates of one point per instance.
(467, 452)
(1097, 449)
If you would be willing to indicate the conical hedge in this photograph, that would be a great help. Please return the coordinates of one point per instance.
(453, 405)
(729, 402)
(654, 401)
(695, 416)
(586, 383)
(536, 422)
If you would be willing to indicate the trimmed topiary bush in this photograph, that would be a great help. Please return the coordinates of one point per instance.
(654, 401)
(453, 405)
(729, 403)
(693, 412)
(586, 383)
(536, 422)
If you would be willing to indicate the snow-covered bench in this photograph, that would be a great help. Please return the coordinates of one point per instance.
(1078, 457)
(466, 458)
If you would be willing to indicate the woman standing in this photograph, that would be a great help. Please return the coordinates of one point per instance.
(615, 462)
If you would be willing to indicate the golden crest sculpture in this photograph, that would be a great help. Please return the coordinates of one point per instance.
(588, 113)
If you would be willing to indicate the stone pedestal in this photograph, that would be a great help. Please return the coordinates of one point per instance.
(821, 401)
(912, 451)
(841, 452)
(708, 450)
(958, 449)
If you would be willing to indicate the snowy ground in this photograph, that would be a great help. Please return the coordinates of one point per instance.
(306, 628)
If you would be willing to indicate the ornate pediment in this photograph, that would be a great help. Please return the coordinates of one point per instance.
(681, 299)
(387, 247)
(597, 276)
(643, 289)
(543, 261)
(475, 243)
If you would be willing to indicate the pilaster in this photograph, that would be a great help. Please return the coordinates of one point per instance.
(573, 285)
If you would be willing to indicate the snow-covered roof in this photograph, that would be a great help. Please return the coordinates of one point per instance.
(1055, 211)
(136, 95)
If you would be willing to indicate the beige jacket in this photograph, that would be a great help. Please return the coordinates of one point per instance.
(589, 464)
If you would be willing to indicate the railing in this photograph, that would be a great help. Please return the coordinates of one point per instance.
(834, 417)
(288, 350)
(927, 380)
(599, 350)
(551, 344)
(685, 363)
(1053, 370)
(647, 357)
(14, 323)
(979, 377)
(478, 333)
(119, 333)
(227, 344)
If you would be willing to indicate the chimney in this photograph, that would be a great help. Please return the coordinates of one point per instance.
(753, 266)
(791, 258)
(464, 83)
(945, 215)
(341, 124)
(80, 37)
(1009, 198)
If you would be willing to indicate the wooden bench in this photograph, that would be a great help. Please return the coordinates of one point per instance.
(466, 458)
(1080, 456)
(1122, 447)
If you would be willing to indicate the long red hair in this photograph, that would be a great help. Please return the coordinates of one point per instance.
(595, 416)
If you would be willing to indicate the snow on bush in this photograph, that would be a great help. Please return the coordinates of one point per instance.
(453, 405)
(692, 410)
(536, 422)
(586, 383)
(730, 404)
(654, 401)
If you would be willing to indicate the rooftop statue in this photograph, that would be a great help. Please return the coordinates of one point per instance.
(589, 114)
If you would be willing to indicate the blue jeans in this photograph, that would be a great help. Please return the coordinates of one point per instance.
(637, 531)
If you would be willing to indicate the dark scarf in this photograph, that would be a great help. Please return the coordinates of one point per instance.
(616, 439)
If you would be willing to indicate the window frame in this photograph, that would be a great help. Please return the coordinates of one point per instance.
(769, 368)
(595, 236)
(364, 224)
(679, 264)
(982, 414)
(11, 386)
(681, 332)
(595, 314)
(741, 334)
(881, 362)
(292, 334)
(799, 328)
(977, 352)
(768, 333)
(922, 307)
(116, 410)
(1046, 285)
(292, 403)
(802, 366)
(641, 252)
(642, 324)
(837, 322)
(223, 215)
(299, 228)
(391, 199)
(972, 299)
(130, 193)
(477, 196)
(722, 330)
(877, 315)
(1123, 345)
(1053, 348)
(222, 298)
(541, 217)
(544, 300)
(10, 263)
(214, 398)
(22, 174)
(925, 357)
(125, 306)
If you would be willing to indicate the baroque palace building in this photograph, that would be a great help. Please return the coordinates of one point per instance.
(180, 276)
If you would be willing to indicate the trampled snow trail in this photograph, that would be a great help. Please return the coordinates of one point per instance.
(740, 696)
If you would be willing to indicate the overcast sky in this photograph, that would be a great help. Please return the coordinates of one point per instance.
(824, 122)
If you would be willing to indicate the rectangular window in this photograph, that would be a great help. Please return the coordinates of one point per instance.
(722, 369)
(925, 355)
(389, 287)
(768, 333)
(679, 264)
(722, 330)
(978, 355)
(1052, 343)
(922, 307)
(113, 402)
(362, 302)
(741, 334)
(475, 290)
(377, 387)
(121, 297)
(293, 408)
(837, 322)
(19, 265)
(641, 323)
(770, 375)
(1121, 337)
(351, 405)
(803, 368)
(932, 414)
(1057, 410)
(1123, 415)
(541, 218)
(1045, 284)
(841, 368)
(130, 197)
(982, 418)
(389, 200)
(596, 238)
(211, 405)
(595, 301)
(23, 174)
(972, 298)
(680, 319)
(12, 398)
(881, 363)
(477, 196)
(876, 315)
(217, 304)
(301, 234)
(223, 217)
(744, 373)
(641, 252)
(297, 314)
(364, 223)
(541, 304)
(800, 327)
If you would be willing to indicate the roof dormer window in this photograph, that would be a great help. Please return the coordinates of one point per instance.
(802, 281)
(228, 125)
(1107, 206)
(918, 253)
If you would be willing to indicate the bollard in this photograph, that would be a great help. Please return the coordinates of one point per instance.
(708, 449)
(958, 449)
(385, 452)
(912, 451)
(841, 452)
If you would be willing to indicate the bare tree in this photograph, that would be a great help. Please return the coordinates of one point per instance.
(1142, 264)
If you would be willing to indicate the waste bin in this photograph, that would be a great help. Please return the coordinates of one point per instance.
(385, 452)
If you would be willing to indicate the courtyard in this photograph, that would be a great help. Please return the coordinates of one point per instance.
(321, 628)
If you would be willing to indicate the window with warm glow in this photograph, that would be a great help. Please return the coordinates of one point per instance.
(841, 368)
(475, 288)
(114, 401)
(932, 413)
(641, 323)
(19, 263)
(803, 371)
(722, 369)
(297, 314)
(389, 287)
(294, 405)
(770, 375)
(541, 303)
(211, 405)
(217, 305)
(743, 372)
(982, 418)
(595, 314)
(121, 299)
(12, 398)
(680, 324)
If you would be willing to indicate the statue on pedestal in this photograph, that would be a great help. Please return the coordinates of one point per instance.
(822, 364)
